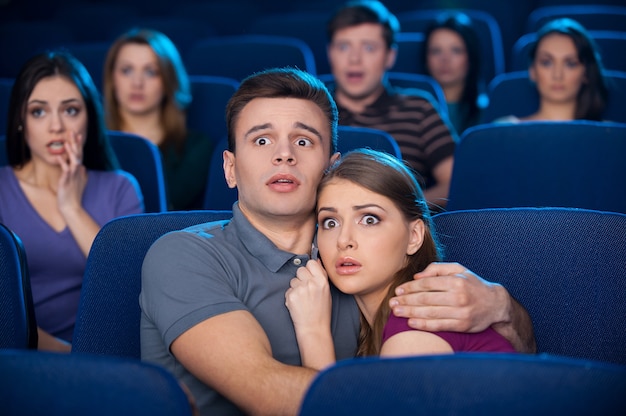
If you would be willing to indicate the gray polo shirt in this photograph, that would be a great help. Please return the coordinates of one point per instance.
(191, 275)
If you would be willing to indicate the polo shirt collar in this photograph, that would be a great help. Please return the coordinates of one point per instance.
(259, 246)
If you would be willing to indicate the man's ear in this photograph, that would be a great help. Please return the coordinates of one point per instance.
(229, 169)
(417, 229)
(391, 58)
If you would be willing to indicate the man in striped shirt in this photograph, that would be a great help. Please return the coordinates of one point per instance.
(361, 49)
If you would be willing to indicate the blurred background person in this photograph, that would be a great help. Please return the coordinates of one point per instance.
(146, 92)
(566, 67)
(451, 55)
(361, 49)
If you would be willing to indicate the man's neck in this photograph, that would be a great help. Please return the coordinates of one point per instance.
(293, 234)
(357, 104)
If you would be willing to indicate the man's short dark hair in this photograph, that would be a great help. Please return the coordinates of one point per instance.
(358, 12)
(282, 83)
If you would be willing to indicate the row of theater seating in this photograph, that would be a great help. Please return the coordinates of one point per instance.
(211, 92)
(93, 21)
(189, 26)
(142, 159)
(243, 55)
(468, 384)
(533, 164)
(569, 164)
(564, 265)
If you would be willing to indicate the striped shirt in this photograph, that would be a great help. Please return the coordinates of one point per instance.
(423, 137)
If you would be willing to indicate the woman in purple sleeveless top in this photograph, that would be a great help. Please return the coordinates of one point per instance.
(61, 186)
(374, 233)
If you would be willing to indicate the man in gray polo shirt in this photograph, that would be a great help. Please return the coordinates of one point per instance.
(213, 295)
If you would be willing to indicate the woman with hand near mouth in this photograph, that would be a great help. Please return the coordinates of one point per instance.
(147, 91)
(374, 233)
(566, 68)
(61, 185)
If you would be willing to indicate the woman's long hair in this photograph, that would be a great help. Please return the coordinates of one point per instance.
(384, 174)
(461, 24)
(97, 151)
(177, 89)
(593, 94)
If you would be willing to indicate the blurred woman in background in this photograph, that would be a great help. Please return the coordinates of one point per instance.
(147, 92)
(451, 55)
(566, 68)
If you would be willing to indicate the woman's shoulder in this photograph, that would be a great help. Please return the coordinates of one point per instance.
(110, 194)
(6, 171)
(112, 178)
(7, 178)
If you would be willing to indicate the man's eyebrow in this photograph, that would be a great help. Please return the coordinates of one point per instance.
(313, 130)
(254, 129)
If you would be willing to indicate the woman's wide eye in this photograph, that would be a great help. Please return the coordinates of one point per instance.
(370, 220)
(329, 223)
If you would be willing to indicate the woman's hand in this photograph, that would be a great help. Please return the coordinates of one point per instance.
(74, 176)
(450, 297)
(71, 187)
(310, 305)
(308, 298)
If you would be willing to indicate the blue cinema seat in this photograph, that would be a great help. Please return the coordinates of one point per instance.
(108, 317)
(467, 384)
(576, 164)
(564, 265)
(57, 384)
(18, 327)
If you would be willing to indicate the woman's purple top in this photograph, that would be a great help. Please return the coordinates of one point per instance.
(55, 262)
(486, 341)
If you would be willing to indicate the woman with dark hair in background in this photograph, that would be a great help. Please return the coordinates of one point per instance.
(451, 55)
(566, 67)
(61, 185)
(147, 92)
